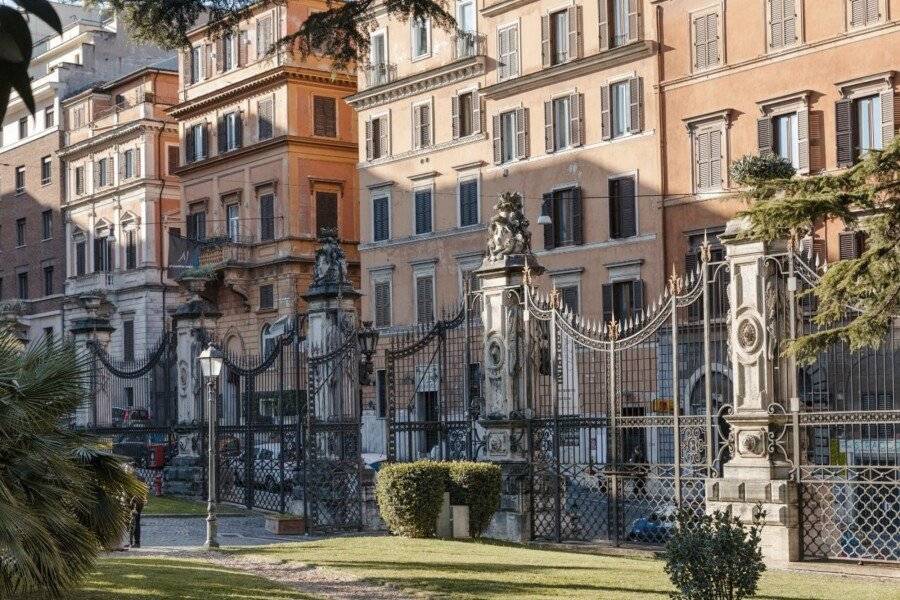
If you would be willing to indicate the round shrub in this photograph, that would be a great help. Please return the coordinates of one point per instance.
(409, 496)
(749, 169)
(477, 485)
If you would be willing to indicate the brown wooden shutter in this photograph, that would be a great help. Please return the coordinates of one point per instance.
(549, 229)
(208, 53)
(700, 43)
(843, 114)
(242, 42)
(764, 139)
(522, 144)
(189, 154)
(454, 116)
(604, 24)
(121, 157)
(173, 158)
(369, 139)
(574, 22)
(205, 140)
(220, 55)
(701, 159)
(605, 113)
(607, 293)
(513, 68)
(872, 12)
(109, 171)
(887, 117)
(790, 22)
(382, 304)
(425, 299)
(636, 98)
(222, 135)
(637, 297)
(496, 139)
(188, 60)
(848, 245)
(549, 146)
(776, 23)
(477, 113)
(137, 162)
(803, 141)
(576, 119)
(545, 40)
(715, 158)
(385, 131)
(634, 20)
(712, 35)
(503, 53)
(577, 217)
(417, 126)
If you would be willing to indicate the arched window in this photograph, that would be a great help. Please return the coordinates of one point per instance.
(104, 254)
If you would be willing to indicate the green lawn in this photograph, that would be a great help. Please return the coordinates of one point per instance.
(171, 505)
(470, 570)
(177, 579)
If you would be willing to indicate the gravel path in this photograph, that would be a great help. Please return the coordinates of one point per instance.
(309, 579)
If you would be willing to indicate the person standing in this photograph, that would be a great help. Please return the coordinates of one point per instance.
(136, 505)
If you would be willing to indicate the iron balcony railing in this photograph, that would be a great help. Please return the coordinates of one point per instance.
(467, 44)
(380, 74)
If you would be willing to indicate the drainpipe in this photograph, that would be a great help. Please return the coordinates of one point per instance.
(663, 179)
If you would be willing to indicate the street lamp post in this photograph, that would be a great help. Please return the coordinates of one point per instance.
(368, 340)
(211, 360)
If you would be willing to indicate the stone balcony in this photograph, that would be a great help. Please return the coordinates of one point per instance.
(111, 281)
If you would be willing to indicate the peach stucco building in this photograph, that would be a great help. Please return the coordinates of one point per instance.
(120, 197)
(555, 101)
(268, 159)
(812, 80)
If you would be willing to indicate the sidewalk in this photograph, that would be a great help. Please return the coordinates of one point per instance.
(159, 533)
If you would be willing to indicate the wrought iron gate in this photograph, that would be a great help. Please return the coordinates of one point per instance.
(434, 387)
(627, 414)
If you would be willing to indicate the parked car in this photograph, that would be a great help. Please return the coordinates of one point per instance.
(146, 449)
(654, 528)
(266, 467)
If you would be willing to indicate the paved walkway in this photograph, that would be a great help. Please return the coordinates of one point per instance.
(190, 532)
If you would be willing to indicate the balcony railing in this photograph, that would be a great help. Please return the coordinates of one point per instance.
(380, 74)
(467, 44)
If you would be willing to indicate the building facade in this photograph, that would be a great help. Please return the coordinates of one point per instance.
(268, 159)
(814, 82)
(555, 102)
(120, 197)
(92, 48)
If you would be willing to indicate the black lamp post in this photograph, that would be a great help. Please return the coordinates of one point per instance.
(368, 340)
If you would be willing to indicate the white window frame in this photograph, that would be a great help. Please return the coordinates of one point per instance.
(230, 43)
(228, 220)
(623, 80)
(426, 24)
(474, 5)
(420, 271)
(231, 133)
(722, 121)
(798, 28)
(883, 16)
(199, 131)
(378, 195)
(515, 137)
(421, 188)
(198, 61)
(465, 179)
(720, 22)
(518, 63)
(566, 98)
(382, 275)
(568, 51)
(385, 152)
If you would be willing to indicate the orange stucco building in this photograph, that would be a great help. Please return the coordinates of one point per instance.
(268, 159)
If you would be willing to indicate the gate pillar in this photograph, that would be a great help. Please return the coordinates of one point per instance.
(92, 328)
(758, 471)
(504, 424)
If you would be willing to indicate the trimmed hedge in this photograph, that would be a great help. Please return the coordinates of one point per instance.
(409, 496)
(477, 485)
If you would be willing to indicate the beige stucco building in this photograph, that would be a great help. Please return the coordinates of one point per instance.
(268, 154)
(813, 81)
(554, 101)
(120, 197)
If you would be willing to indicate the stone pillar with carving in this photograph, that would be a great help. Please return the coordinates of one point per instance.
(503, 272)
(758, 472)
(93, 328)
(331, 317)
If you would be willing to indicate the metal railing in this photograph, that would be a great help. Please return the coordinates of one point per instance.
(468, 43)
(380, 74)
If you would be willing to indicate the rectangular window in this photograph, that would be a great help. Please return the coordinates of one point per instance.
(867, 117)
(46, 224)
(232, 216)
(265, 119)
(381, 405)
(78, 117)
(864, 12)
(425, 298)
(128, 164)
(564, 217)
(508, 136)
(23, 286)
(103, 255)
(229, 48)
(326, 212)
(197, 143)
(465, 117)
(383, 303)
(20, 179)
(266, 297)
(267, 217)
(782, 23)
(621, 108)
(102, 172)
(421, 38)
(378, 69)
(79, 180)
(20, 231)
(128, 340)
(80, 257)
(622, 300)
(622, 214)
(265, 36)
(559, 37)
(468, 202)
(23, 128)
(48, 281)
(196, 63)
(422, 200)
(706, 41)
(708, 159)
(786, 138)
(377, 138)
(49, 117)
(569, 296)
(46, 170)
(381, 218)
(131, 249)
(421, 125)
(325, 116)
(560, 110)
(508, 52)
(196, 225)
(232, 129)
(621, 31)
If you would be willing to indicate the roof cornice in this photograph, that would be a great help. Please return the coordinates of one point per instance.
(126, 130)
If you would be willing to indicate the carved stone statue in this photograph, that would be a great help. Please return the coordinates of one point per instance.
(509, 234)
(331, 264)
